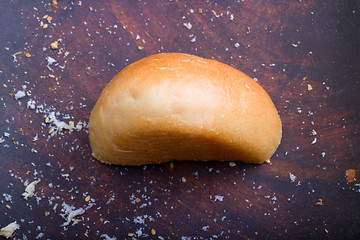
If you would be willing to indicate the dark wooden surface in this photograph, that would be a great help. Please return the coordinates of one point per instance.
(306, 54)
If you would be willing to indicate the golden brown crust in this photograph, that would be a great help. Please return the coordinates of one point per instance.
(175, 106)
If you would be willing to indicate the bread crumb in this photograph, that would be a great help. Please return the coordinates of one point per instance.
(309, 87)
(292, 177)
(140, 47)
(57, 125)
(9, 230)
(188, 25)
(51, 130)
(45, 26)
(350, 175)
(107, 237)
(69, 214)
(218, 198)
(47, 213)
(54, 4)
(14, 56)
(50, 61)
(232, 164)
(27, 55)
(153, 232)
(87, 198)
(54, 45)
(19, 94)
(319, 202)
(216, 15)
(183, 179)
(30, 189)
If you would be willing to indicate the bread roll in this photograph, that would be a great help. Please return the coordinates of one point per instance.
(174, 106)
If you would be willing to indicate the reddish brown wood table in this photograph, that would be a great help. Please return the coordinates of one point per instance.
(55, 59)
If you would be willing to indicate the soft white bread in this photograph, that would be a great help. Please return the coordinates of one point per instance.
(174, 106)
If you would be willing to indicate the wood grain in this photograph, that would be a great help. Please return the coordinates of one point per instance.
(304, 53)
